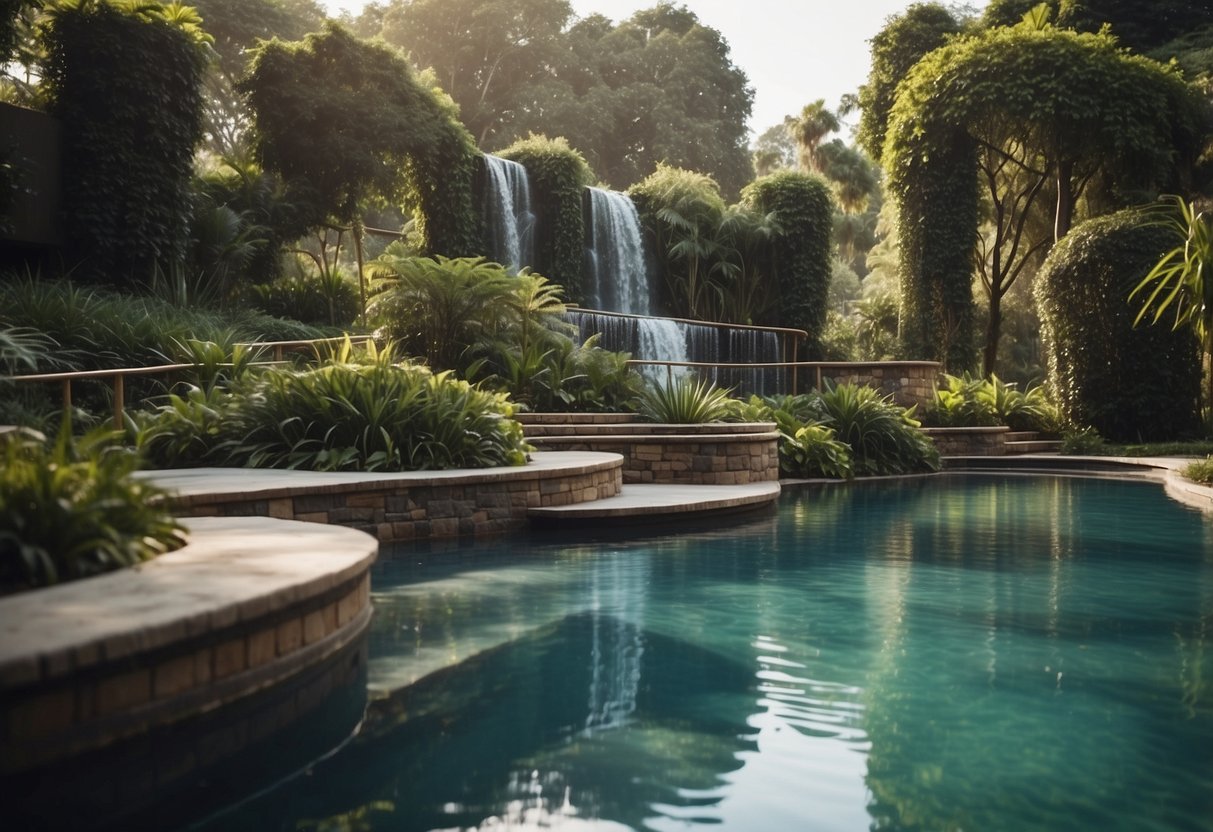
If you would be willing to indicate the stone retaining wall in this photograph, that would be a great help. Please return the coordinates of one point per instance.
(908, 382)
(249, 606)
(714, 454)
(983, 441)
(417, 505)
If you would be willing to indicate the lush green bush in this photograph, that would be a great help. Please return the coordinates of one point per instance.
(799, 254)
(813, 451)
(884, 437)
(1082, 442)
(322, 299)
(125, 80)
(969, 401)
(349, 414)
(684, 401)
(72, 509)
(558, 175)
(1128, 383)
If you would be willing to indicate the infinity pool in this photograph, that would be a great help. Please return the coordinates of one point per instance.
(952, 653)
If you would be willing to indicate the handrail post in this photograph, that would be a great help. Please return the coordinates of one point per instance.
(669, 376)
(67, 400)
(119, 401)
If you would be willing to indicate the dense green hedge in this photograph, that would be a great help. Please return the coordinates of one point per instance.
(558, 176)
(1129, 384)
(343, 120)
(799, 253)
(127, 87)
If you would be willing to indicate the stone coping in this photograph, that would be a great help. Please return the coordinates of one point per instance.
(600, 418)
(658, 438)
(232, 570)
(932, 430)
(193, 485)
(650, 499)
(706, 430)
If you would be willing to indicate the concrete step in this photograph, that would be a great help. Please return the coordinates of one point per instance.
(659, 501)
(1033, 446)
(1021, 435)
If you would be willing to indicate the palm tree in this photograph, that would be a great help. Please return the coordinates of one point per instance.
(1181, 282)
(809, 129)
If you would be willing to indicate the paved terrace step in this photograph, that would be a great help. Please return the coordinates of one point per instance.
(1033, 446)
(654, 501)
(706, 431)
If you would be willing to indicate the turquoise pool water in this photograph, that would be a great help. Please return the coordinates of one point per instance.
(957, 653)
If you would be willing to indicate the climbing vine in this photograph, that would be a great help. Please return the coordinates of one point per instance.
(558, 176)
(798, 254)
(344, 121)
(1128, 383)
(125, 81)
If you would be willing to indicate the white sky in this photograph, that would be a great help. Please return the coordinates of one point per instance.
(794, 51)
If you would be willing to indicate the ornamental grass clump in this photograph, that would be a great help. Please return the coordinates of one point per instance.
(353, 413)
(685, 401)
(71, 509)
(1200, 471)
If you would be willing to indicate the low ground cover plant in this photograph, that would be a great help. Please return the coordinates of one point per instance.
(70, 509)
(1201, 471)
(354, 412)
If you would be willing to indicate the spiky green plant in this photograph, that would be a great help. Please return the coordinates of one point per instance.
(1200, 471)
(685, 401)
(70, 509)
(884, 437)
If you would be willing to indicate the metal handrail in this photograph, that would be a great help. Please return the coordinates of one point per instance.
(799, 333)
(816, 366)
(117, 375)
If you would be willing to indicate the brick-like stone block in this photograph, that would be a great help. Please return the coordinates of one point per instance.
(173, 676)
(124, 691)
(289, 636)
(41, 715)
(230, 658)
(313, 627)
(262, 647)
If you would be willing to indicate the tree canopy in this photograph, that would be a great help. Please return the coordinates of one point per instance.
(658, 87)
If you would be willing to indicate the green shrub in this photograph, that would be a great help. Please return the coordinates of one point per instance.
(969, 401)
(1201, 472)
(325, 299)
(884, 437)
(685, 401)
(368, 414)
(812, 451)
(1130, 384)
(72, 509)
(1082, 442)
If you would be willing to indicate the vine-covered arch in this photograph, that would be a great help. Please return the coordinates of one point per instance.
(1059, 104)
(342, 120)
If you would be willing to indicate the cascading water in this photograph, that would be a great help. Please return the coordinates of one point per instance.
(507, 212)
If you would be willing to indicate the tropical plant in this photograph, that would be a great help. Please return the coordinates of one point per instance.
(962, 402)
(883, 436)
(318, 297)
(685, 401)
(813, 451)
(352, 413)
(70, 509)
(1082, 442)
(1181, 283)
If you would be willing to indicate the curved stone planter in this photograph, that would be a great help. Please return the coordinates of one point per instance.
(980, 441)
(118, 688)
(413, 505)
(715, 453)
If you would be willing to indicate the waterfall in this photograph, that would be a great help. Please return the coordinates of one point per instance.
(618, 280)
(507, 212)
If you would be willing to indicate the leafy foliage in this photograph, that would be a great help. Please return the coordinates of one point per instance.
(657, 87)
(350, 414)
(125, 81)
(71, 509)
(1035, 95)
(376, 132)
(1200, 472)
(685, 401)
(1129, 384)
(969, 401)
(813, 451)
(558, 175)
(884, 437)
(799, 253)
(322, 299)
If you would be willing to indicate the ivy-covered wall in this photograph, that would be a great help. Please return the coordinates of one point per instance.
(558, 176)
(1128, 383)
(126, 86)
(799, 253)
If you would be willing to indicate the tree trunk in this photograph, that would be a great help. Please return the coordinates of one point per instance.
(993, 331)
(1065, 200)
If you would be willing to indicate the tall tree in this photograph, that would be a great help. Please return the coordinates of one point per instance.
(809, 130)
(1030, 107)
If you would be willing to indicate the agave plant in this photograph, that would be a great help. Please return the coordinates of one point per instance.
(685, 401)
